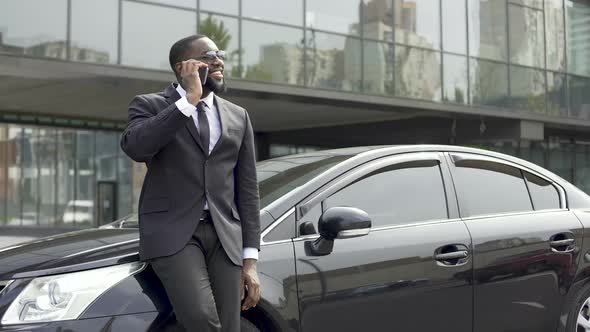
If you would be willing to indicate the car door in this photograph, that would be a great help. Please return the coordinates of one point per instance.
(525, 243)
(388, 280)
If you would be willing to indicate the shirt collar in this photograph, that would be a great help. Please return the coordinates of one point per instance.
(207, 100)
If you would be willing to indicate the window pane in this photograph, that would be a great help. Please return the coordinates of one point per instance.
(417, 73)
(543, 193)
(30, 176)
(224, 7)
(341, 16)
(45, 150)
(526, 36)
(578, 38)
(285, 230)
(378, 67)
(454, 26)
(331, 62)
(7, 157)
(561, 160)
(95, 31)
(272, 53)
(455, 78)
(147, 36)
(224, 32)
(487, 29)
(582, 180)
(178, 3)
(530, 3)
(377, 20)
(528, 89)
(396, 196)
(579, 97)
(533, 151)
(417, 23)
(13, 186)
(124, 186)
(489, 83)
(282, 11)
(490, 188)
(555, 34)
(45, 38)
(107, 144)
(556, 94)
(66, 155)
(85, 179)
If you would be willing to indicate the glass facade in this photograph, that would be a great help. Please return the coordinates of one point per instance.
(50, 176)
(527, 55)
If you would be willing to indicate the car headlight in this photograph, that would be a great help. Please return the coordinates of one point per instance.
(64, 296)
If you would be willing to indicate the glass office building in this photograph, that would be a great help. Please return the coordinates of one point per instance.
(508, 75)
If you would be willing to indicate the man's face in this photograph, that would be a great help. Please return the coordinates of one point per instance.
(199, 48)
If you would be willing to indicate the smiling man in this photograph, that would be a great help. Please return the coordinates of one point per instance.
(199, 206)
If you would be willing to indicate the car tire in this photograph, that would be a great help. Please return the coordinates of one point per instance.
(579, 306)
(247, 326)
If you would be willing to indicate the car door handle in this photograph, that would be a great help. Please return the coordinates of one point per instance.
(561, 243)
(452, 255)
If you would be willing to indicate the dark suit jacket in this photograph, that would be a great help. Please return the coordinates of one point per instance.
(180, 175)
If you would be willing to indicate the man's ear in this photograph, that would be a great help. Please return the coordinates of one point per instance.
(178, 69)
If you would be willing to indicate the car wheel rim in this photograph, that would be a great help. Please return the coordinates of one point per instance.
(584, 317)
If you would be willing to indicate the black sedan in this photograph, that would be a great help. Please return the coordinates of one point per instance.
(403, 238)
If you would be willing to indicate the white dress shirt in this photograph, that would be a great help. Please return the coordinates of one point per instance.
(214, 134)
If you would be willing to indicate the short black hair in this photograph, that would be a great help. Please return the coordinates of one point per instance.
(179, 49)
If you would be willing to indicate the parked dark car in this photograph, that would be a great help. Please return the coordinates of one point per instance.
(402, 238)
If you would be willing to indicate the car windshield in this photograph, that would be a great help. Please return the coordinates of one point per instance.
(277, 177)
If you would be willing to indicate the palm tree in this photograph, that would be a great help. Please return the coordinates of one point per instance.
(216, 30)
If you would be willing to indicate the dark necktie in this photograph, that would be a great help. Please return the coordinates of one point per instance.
(203, 126)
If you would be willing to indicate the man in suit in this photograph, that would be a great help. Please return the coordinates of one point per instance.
(199, 218)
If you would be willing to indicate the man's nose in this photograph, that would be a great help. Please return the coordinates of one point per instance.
(217, 62)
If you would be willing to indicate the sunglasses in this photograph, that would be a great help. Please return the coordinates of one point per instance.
(212, 55)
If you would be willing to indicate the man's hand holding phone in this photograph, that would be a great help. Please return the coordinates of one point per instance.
(193, 74)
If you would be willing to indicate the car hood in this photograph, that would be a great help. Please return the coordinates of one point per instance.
(68, 252)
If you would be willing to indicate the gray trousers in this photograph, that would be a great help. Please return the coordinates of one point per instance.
(202, 283)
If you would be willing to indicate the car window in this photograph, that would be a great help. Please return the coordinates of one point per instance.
(283, 231)
(399, 194)
(486, 187)
(543, 193)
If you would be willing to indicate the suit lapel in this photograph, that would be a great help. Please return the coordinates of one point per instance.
(172, 96)
(222, 112)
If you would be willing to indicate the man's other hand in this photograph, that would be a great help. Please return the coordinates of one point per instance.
(250, 283)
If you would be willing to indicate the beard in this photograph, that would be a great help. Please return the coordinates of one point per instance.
(215, 86)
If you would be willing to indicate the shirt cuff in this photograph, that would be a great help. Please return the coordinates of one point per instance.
(250, 253)
(185, 107)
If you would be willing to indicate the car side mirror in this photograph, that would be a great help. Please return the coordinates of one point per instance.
(338, 223)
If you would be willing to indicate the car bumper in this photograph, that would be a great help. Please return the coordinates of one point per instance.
(132, 322)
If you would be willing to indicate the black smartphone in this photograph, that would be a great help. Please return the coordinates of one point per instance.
(203, 73)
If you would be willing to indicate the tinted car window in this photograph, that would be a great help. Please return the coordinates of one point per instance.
(543, 193)
(486, 187)
(283, 231)
(403, 193)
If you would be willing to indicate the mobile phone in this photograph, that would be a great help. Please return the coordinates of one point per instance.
(203, 73)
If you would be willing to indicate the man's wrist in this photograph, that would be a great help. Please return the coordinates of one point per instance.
(249, 263)
(193, 99)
